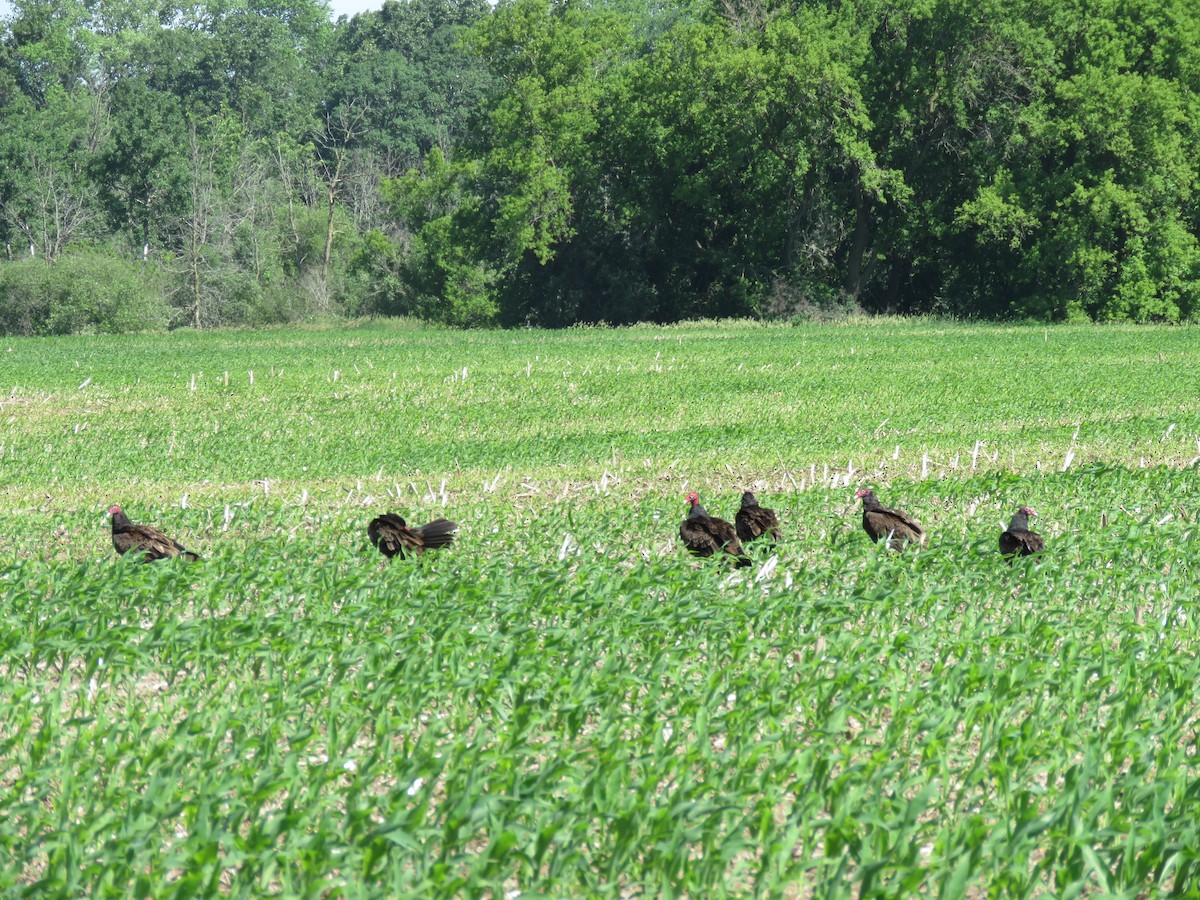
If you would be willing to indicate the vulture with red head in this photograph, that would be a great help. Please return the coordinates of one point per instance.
(897, 526)
(144, 541)
(705, 536)
(753, 521)
(1019, 539)
(391, 534)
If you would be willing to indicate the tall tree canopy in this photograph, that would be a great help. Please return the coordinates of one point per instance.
(562, 161)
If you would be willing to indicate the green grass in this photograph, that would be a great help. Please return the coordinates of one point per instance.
(565, 703)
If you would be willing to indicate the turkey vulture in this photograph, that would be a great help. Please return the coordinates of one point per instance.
(754, 521)
(897, 526)
(391, 534)
(145, 541)
(704, 535)
(1018, 538)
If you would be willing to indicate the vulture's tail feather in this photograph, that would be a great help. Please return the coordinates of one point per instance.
(438, 533)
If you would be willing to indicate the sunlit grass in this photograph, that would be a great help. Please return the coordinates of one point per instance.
(566, 703)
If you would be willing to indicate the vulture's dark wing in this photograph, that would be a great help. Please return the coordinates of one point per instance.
(906, 521)
(149, 543)
(903, 528)
(755, 521)
(1020, 541)
(438, 533)
(391, 534)
(704, 536)
(698, 536)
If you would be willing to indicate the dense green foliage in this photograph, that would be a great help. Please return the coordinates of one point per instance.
(554, 162)
(84, 292)
(232, 152)
(565, 703)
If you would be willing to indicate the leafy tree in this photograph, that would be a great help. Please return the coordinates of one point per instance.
(274, 51)
(405, 66)
(944, 85)
(45, 194)
(141, 170)
(448, 276)
(1091, 216)
(739, 143)
(376, 276)
(556, 161)
(81, 293)
(48, 46)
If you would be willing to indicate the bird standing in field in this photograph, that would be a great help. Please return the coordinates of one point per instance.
(897, 526)
(753, 521)
(704, 536)
(391, 534)
(1019, 539)
(144, 540)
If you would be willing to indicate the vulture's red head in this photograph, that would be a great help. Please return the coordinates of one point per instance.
(861, 492)
(1028, 510)
(114, 510)
(693, 498)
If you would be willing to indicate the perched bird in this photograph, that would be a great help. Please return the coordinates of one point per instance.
(391, 534)
(704, 536)
(1018, 538)
(897, 526)
(754, 521)
(144, 540)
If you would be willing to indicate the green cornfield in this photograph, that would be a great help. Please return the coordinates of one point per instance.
(565, 703)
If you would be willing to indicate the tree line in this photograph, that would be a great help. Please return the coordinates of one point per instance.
(551, 162)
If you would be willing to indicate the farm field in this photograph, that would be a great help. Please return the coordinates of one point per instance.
(565, 703)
